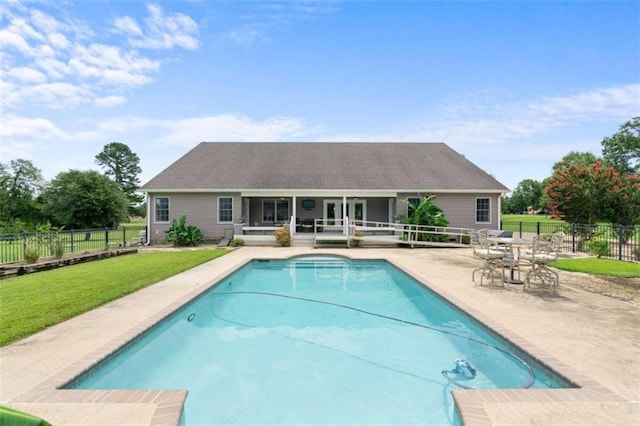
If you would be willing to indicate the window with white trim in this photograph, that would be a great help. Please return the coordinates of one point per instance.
(161, 211)
(483, 210)
(225, 209)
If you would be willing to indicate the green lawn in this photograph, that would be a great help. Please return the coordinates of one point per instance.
(33, 302)
(544, 224)
(614, 268)
(529, 218)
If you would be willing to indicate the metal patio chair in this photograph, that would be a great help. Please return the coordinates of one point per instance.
(490, 255)
(545, 249)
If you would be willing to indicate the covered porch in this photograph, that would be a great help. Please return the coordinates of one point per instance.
(311, 212)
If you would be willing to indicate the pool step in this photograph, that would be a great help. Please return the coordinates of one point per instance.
(302, 241)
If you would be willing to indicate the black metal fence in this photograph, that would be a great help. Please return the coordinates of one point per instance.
(611, 241)
(28, 246)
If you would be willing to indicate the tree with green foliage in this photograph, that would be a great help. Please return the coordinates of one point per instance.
(625, 201)
(505, 205)
(139, 210)
(577, 158)
(122, 164)
(622, 150)
(527, 194)
(20, 184)
(84, 199)
(586, 194)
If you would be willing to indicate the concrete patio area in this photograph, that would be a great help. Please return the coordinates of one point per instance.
(593, 340)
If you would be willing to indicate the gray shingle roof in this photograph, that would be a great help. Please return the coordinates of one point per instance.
(315, 165)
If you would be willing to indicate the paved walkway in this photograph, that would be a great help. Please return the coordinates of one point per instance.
(591, 338)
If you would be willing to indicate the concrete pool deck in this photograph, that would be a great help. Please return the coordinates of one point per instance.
(593, 340)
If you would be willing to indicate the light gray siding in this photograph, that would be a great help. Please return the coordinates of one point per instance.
(201, 210)
(378, 209)
(460, 209)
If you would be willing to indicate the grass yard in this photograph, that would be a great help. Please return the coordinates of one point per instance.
(529, 218)
(533, 223)
(608, 267)
(33, 302)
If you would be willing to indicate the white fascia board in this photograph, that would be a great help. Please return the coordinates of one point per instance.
(323, 192)
(317, 193)
(280, 192)
(191, 191)
(453, 191)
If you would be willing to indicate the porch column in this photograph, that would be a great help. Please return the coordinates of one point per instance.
(344, 215)
(392, 206)
(246, 211)
(148, 224)
(295, 215)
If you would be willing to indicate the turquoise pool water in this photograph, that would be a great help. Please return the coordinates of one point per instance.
(320, 340)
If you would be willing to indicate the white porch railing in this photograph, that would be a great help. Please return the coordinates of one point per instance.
(408, 233)
(346, 231)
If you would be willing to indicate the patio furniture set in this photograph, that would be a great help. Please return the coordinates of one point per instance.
(502, 252)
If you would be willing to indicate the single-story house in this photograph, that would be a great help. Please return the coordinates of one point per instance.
(219, 184)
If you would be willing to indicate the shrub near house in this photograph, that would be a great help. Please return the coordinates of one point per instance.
(181, 234)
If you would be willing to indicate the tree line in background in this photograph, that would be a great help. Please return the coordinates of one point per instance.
(74, 199)
(584, 188)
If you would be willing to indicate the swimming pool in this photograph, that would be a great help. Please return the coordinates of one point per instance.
(317, 340)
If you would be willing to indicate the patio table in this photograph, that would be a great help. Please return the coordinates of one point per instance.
(513, 261)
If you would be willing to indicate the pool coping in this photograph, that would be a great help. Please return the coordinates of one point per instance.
(169, 404)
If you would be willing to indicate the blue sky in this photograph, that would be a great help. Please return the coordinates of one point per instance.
(512, 85)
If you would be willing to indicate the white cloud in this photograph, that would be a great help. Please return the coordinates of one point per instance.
(54, 68)
(27, 75)
(60, 62)
(22, 136)
(15, 129)
(56, 95)
(111, 101)
(247, 34)
(127, 25)
(230, 127)
(109, 65)
(474, 121)
(161, 31)
(41, 140)
(271, 16)
(10, 39)
(610, 101)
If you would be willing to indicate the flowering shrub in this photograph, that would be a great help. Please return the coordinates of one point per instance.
(586, 194)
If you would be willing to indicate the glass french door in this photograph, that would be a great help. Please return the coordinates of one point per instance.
(356, 210)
